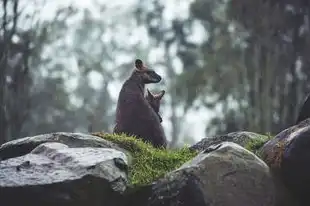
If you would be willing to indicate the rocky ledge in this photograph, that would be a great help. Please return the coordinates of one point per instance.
(103, 169)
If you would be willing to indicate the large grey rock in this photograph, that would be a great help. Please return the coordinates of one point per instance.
(23, 146)
(223, 175)
(288, 156)
(240, 138)
(54, 174)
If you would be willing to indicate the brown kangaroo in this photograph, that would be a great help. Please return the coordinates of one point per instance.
(134, 115)
(154, 101)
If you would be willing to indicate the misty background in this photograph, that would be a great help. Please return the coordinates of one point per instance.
(226, 65)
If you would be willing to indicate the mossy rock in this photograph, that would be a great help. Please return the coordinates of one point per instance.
(255, 145)
(148, 163)
(249, 140)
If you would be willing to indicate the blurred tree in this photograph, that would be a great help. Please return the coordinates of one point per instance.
(50, 106)
(95, 110)
(15, 78)
(8, 29)
(282, 34)
(252, 65)
(24, 88)
(218, 80)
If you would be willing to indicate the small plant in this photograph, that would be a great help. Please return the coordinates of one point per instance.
(254, 145)
(149, 163)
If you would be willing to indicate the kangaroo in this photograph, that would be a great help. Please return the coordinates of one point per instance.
(154, 101)
(134, 114)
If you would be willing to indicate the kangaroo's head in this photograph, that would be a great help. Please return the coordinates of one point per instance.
(143, 74)
(154, 101)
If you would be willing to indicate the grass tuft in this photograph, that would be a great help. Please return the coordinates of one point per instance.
(254, 145)
(149, 163)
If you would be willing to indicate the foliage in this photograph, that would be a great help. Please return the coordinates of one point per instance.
(280, 42)
(60, 95)
(254, 145)
(149, 163)
(17, 47)
(50, 108)
(252, 66)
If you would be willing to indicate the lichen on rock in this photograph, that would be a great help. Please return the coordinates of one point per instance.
(249, 140)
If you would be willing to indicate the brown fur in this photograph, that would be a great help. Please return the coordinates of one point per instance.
(154, 101)
(134, 115)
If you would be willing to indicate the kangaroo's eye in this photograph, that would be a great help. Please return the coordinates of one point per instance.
(151, 72)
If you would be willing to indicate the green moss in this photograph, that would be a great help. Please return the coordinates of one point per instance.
(149, 163)
(255, 144)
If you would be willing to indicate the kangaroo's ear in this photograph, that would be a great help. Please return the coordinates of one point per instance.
(139, 64)
(161, 94)
(149, 94)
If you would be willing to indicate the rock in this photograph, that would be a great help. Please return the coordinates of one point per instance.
(288, 156)
(223, 175)
(54, 174)
(23, 146)
(138, 195)
(241, 138)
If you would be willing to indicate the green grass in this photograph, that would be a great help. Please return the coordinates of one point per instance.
(149, 163)
(256, 144)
